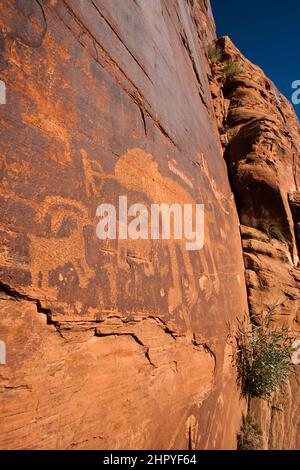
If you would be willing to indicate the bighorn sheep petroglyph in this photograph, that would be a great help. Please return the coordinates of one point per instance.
(50, 253)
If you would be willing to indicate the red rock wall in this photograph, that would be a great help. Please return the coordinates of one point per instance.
(125, 344)
(261, 134)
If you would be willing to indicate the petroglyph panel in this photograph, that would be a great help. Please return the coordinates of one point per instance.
(108, 99)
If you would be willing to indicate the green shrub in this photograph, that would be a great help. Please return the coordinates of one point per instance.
(230, 69)
(222, 128)
(214, 54)
(273, 230)
(264, 356)
(250, 435)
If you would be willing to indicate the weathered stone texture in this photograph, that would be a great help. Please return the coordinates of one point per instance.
(125, 344)
(261, 138)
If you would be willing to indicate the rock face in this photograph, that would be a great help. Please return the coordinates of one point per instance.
(124, 344)
(261, 139)
(121, 344)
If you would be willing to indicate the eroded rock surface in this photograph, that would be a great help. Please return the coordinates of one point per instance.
(130, 344)
(120, 344)
(261, 140)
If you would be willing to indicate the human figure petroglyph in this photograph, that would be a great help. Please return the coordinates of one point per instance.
(93, 174)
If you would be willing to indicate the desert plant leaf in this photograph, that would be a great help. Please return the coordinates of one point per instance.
(264, 356)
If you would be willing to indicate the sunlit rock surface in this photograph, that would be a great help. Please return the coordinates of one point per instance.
(131, 344)
(119, 344)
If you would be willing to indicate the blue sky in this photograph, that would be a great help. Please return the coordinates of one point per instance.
(268, 34)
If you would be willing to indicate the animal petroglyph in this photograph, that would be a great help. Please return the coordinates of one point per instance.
(138, 171)
(49, 253)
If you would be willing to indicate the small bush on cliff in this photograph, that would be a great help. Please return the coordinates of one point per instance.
(214, 54)
(223, 129)
(250, 435)
(264, 356)
(273, 230)
(230, 69)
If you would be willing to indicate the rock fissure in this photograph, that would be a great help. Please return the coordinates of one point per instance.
(116, 100)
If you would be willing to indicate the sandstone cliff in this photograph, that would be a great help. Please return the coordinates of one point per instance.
(261, 138)
(130, 344)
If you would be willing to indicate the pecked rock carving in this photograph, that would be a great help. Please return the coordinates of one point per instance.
(48, 253)
(107, 338)
(115, 344)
